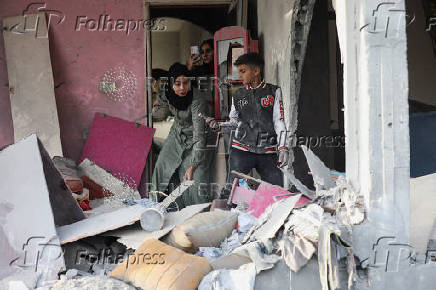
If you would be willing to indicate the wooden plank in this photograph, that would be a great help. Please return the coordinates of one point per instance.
(30, 75)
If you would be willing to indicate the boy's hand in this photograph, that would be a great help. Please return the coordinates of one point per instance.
(283, 158)
(189, 174)
(212, 123)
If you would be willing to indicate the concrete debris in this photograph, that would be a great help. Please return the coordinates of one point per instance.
(132, 236)
(100, 223)
(118, 188)
(351, 209)
(210, 253)
(240, 279)
(90, 283)
(298, 184)
(321, 174)
(306, 222)
(260, 252)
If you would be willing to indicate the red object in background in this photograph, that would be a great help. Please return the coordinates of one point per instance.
(84, 205)
(96, 191)
(120, 147)
(229, 33)
(261, 198)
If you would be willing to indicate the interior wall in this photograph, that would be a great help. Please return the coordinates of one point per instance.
(274, 30)
(421, 58)
(174, 44)
(190, 35)
(314, 102)
(80, 57)
(165, 49)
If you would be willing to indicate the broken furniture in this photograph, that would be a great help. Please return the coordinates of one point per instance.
(119, 146)
(258, 200)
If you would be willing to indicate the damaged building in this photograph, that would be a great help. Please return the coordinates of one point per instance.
(81, 136)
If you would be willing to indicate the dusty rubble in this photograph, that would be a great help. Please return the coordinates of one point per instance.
(231, 247)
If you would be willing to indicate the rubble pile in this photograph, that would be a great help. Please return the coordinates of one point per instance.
(238, 246)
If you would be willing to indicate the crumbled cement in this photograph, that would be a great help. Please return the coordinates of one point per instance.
(90, 283)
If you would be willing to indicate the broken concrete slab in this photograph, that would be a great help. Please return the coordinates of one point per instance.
(100, 223)
(224, 279)
(133, 236)
(117, 187)
(31, 86)
(29, 244)
(321, 174)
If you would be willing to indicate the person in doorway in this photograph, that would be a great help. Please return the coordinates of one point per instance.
(183, 155)
(257, 114)
(202, 65)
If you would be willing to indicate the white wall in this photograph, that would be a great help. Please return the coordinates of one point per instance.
(274, 28)
(173, 44)
(165, 49)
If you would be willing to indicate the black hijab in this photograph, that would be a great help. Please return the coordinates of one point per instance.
(180, 103)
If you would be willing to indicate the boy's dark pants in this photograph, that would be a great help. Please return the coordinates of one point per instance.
(243, 162)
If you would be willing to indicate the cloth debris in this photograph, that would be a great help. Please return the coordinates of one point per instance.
(329, 254)
(210, 253)
(245, 223)
(306, 222)
(260, 252)
(240, 279)
(296, 251)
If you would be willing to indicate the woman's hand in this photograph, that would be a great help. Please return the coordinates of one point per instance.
(193, 60)
(189, 174)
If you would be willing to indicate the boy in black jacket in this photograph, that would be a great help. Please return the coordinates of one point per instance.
(260, 139)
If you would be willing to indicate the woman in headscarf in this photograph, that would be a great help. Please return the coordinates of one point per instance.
(184, 155)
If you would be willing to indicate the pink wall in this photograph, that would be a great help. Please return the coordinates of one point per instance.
(79, 60)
